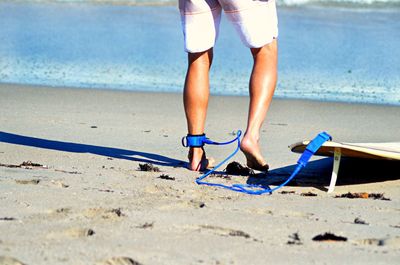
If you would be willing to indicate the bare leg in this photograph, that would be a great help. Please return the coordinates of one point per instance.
(195, 99)
(262, 86)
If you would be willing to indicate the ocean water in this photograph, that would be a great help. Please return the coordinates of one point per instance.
(382, 3)
(336, 53)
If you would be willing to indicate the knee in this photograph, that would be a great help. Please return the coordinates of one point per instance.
(201, 59)
(268, 50)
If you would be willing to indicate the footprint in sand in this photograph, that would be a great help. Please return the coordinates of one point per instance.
(79, 232)
(182, 204)
(27, 181)
(64, 210)
(102, 213)
(369, 241)
(297, 214)
(222, 231)
(4, 260)
(391, 242)
(50, 214)
(72, 233)
(120, 261)
(59, 183)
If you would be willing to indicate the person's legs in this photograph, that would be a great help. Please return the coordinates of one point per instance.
(257, 25)
(200, 25)
(262, 86)
(195, 99)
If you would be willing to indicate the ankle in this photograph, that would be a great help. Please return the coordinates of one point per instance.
(195, 153)
(251, 137)
(195, 158)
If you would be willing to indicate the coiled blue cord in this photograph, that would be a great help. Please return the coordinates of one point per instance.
(254, 189)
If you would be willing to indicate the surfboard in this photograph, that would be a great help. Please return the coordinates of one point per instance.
(386, 151)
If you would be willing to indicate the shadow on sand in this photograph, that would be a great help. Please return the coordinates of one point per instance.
(93, 149)
(318, 173)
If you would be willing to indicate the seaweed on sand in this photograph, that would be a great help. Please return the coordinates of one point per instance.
(235, 168)
(329, 237)
(363, 195)
(148, 167)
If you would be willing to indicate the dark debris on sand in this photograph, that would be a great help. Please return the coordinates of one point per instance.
(90, 232)
(363, 195)
(199, 204)
(146, 225)
(165, 176)
(67, 172)
(25, 164)
(235, 168)
(360, 221)
(378, 196)
(27, 181)
(309, 194)
(287, 192)
(9, 165)
(7, 219)
(239, 233)
(117, 212)
(30, 164)
(148, 167)
(329, 237)
(294, 239)
(121, 261)
(105, 190)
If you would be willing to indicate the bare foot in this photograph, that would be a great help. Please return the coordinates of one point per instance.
(251, 150)
(198, 160)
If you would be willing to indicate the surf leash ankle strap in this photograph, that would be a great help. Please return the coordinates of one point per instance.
(199, 140)
(252, 189)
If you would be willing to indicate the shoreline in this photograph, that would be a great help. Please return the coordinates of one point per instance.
(158, 92)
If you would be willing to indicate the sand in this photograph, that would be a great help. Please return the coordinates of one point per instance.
(88, 203)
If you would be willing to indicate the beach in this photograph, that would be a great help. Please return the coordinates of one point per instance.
(92, 169)
(82, 198)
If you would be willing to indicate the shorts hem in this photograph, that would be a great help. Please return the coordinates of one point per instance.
(198, 50)
(266, 42)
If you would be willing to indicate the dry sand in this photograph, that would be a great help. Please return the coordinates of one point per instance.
(90, 203)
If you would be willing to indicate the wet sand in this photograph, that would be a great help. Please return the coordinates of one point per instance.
(83, 199)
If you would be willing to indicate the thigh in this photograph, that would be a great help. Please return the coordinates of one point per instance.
(200, 23)
(255, 20)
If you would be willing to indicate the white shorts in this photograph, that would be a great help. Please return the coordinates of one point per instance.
(255, 21)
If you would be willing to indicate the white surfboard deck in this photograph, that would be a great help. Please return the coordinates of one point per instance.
(387, 151)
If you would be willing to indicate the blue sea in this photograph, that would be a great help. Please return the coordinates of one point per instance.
(329, 50)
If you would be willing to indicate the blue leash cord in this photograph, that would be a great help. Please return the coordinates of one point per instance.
(200, 140)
